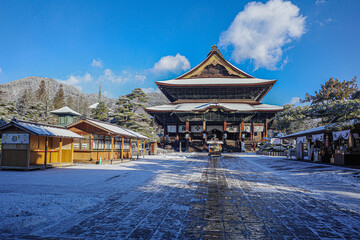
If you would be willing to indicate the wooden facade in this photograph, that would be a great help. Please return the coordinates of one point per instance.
(105, 141)
(36, 150)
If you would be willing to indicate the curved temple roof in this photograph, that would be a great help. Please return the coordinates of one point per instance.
(194, 107)
(215, 81)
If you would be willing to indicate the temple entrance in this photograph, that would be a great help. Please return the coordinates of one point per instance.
(215, 134)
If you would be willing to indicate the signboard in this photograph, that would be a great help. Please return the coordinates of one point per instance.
(84, 145)
(232, 129)
(247, 129)
(196, 128)
(210, 128)
(182, 128)
(275, 141)
(76, 145)
(15, 138)
(171, 128)
(258, 128)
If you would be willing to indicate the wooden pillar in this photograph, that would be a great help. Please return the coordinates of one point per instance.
(60, 151)
(122, 148)
(72, 151)
(266, 128)
(130, 148)
(112, 148)
(46, 151)
(144, 149)
(224, 126)
(252, 132)
(138, 148)
(204, 125)
(187, 125)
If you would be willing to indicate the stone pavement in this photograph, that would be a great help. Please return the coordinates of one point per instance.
(228, 197)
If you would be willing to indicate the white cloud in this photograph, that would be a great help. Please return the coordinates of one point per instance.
(322, 23)
(1, 70)
(320, 2)
(172, 64)
(151, 90)
(97, 63)
(75, 80)
(108, 75)
(140, 78)
(261, 30)
(294, 100)
(108, 94)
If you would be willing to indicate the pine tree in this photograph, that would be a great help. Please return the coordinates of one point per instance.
(100, 112)
(41, 92)
(59, 98)
(70, 102)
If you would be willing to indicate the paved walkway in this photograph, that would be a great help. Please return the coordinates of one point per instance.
(230, 197)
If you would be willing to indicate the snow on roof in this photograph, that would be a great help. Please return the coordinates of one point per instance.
(93, 106)
(116, 129)
(215, 81)
(42, 129)
(239, 107)
(318, 129)
(65, 110)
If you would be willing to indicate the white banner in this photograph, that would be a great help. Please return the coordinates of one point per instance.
(210, 128)
(171, 128)
(15, 138)
(232, 129)
(182, 128)
(247, 129)
(301, 139)
(343, 134)
(317, 137)
(258, 128)
(356, 135)
(196, 128)
(275, 141)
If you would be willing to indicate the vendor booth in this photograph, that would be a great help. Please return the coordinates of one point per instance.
(105, 141)
(29, 145)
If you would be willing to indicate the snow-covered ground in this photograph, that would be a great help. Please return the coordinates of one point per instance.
(169, 196)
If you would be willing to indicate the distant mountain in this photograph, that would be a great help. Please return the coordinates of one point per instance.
(13, 91)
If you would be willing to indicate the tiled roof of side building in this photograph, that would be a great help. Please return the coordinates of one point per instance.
(42, 129)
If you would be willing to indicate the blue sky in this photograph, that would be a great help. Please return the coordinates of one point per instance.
(128, 44)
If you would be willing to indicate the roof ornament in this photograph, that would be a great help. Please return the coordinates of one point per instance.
(214, 48)
(14, 119)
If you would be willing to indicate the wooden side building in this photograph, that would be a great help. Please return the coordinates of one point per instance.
(29, 145)
(106, 141)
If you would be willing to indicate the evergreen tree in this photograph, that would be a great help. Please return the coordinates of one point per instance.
(24, 102)
(100, 112)
(59, 98)
(41, 93)
(333, 90)
(70, 102)
(126, 114)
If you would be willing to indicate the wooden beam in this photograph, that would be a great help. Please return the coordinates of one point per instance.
(112, 148)
(72, 151)
(130, 148)
(46, 149)
(60, 151)
(122, 148)
(138, 148)
(144, 149)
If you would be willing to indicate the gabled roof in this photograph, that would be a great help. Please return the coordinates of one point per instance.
(40, 129)
(215, 66)
(201, 107)
(65, 110)
(112, 128)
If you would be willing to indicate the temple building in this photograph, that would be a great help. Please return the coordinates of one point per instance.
(215, 100)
